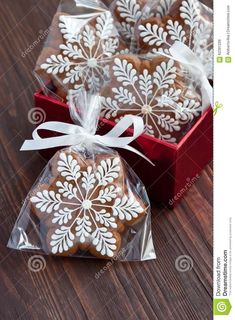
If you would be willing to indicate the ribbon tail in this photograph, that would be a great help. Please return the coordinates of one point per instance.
(129, 148)
(48, 143)
(183, 54)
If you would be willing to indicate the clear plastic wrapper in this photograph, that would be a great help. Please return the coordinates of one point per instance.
(82, 36)
(169, 95)
(85, 35)
(126, 15)
(87, 202)
(168, 21)
(154, 26)
(166, 93)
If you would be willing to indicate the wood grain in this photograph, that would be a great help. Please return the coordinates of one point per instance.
(68, 288)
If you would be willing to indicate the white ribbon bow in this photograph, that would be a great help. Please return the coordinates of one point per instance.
(182, 53)
(74, 134)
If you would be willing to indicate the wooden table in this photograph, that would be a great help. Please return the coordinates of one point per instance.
(68, 288)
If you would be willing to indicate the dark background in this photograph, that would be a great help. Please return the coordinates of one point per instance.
(68, 288)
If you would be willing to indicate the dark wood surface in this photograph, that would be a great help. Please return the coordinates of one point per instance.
(68, 288)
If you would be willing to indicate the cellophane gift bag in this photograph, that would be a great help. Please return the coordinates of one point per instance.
(82, 36)
(154, 26)
(164, 22)
(87, 202)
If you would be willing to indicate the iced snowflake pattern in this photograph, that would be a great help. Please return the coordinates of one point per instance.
(132, 11)
(87, 205)
(153, 96)
(80, 60)
(199, 35)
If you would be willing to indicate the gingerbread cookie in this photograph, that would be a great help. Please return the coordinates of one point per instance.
(157, 90)
(79, 59)
(128, 13)
(86, 205)
(187, 21)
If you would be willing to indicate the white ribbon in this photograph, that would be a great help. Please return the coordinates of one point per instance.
(181, 53)
(75, 134)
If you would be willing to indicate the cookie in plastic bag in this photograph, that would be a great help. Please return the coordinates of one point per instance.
(82, 36)
(186, 21)
(158, 89)
(87, 202)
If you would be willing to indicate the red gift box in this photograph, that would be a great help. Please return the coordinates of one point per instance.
(177, 166)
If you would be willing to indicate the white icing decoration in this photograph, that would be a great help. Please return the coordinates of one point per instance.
(82, 55)
(163, 7)
(150, 96)
(130, 12)
(82, 209)
(197, 40)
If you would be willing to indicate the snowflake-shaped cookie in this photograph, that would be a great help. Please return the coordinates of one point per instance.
(82, 55)
(154, 89)
(86, 204)
(187, 21)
